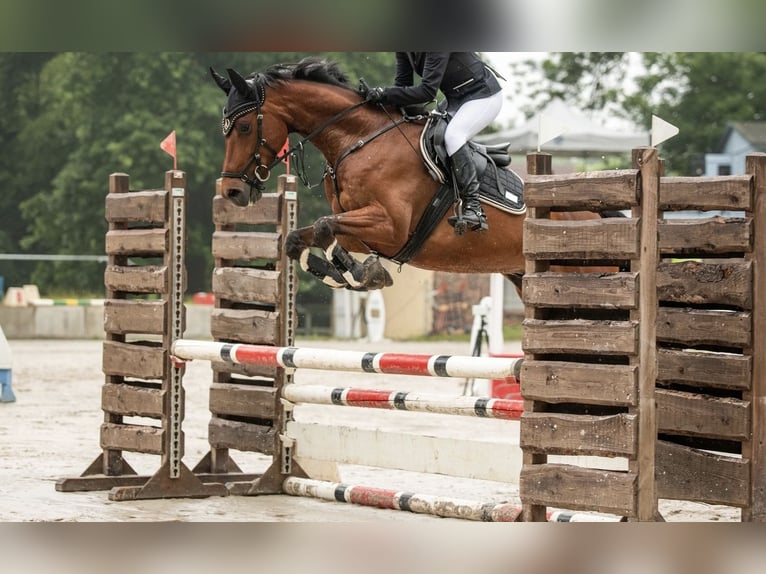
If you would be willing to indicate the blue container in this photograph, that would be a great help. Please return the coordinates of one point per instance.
(6, 392)
(2, 287)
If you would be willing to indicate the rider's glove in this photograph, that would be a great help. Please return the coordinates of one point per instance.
(375, 95)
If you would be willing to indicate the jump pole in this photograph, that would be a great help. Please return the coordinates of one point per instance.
(404, 401)
(457, 366)
(444, 507)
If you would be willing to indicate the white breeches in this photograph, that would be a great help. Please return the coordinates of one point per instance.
(470, 119)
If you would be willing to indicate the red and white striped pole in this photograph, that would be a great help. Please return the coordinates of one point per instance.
(357, 361)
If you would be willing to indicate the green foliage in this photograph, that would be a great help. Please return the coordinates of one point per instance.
(698, 92)
(68, 120)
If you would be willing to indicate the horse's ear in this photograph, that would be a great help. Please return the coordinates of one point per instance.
(240, 83)
(223, 83)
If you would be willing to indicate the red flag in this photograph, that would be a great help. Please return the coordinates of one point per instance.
(168, 145)
(284, 150)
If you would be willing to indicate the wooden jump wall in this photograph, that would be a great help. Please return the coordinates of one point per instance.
(664, 369)
(588, 379)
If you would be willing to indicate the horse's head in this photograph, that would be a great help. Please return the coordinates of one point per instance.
(252, 138)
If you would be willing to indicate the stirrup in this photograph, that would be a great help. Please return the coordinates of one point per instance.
(463, 224)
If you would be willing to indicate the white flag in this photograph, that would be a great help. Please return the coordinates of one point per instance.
(548, 129)
(661, 131)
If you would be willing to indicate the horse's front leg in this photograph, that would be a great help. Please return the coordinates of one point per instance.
(364, 276)
(297, 246)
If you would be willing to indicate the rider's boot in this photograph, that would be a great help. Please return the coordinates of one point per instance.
(473, 217)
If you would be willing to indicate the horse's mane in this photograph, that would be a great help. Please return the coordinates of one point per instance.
(312, 69)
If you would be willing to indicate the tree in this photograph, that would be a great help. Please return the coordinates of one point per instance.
(20, 100)
(70, 119)
(698, 92)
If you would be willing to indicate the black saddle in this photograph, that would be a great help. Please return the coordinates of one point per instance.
(499, 185)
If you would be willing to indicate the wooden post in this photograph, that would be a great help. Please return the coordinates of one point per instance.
(646, 159)
(113, 464)
(537, 164)
(755, 448)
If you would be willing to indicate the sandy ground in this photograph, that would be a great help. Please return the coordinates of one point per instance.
(52, 432)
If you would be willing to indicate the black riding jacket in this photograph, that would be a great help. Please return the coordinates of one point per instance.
(461, 76)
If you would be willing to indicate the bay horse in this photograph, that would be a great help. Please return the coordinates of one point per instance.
(375, 180)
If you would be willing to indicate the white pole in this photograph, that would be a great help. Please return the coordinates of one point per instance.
(495, 319)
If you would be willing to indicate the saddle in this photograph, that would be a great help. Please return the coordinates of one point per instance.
(499, 185)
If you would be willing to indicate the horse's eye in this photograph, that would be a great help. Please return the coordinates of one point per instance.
(243, 127)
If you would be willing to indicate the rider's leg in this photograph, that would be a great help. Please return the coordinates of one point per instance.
(469, 119)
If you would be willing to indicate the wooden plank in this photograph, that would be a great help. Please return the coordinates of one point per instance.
(698, 283)
(137, 206)
(243, 436)
(702, 327)
(564, 381)
(691, 414)
(137, 242)
(246, 370)
(565, 486)
(129, 400)
(264, 211)
(594, 239)
(134, 316)
(243, 400)
(707, 193)
(564, 434)
(254, 326)
(580, 336)
(244, 246)
(615, 290)
(685, 473)
(590, 191)
(133, 360)
(704, 369)
(132, 438)
(470, 457)
(144, 279)
(246, 285)
(714, 236)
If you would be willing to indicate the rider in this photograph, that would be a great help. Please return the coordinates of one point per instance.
(474, 99)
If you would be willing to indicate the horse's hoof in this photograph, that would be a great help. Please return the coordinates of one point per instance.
(294, 246)
(375, 275)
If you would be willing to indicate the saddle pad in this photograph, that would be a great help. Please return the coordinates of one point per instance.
(503, 189)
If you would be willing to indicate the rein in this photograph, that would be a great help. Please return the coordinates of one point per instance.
(332, 171)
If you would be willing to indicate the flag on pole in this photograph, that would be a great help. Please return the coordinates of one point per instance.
(168, 145)
(548, 129)
(661, 130)
(286, 159)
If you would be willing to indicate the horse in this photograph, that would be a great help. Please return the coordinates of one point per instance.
(375, 179)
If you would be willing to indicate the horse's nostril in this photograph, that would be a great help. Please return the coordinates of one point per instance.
(236, 196)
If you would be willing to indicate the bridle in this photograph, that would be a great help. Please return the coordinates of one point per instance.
(261, 171)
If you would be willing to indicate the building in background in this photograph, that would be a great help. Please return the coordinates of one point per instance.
(739, 139)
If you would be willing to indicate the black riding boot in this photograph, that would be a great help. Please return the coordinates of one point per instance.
(468, 185)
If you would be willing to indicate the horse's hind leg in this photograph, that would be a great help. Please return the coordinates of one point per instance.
(364, 276)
